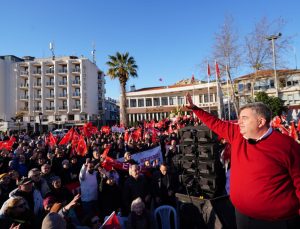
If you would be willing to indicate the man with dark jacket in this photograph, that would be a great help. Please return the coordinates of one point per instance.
(164, 186)
(135, 186)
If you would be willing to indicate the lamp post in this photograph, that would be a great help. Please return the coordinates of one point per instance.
(98, 120)
(272, 38)
(19, 125)
(40, 118)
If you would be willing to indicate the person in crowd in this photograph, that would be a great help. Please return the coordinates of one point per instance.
(5, 188)
(46, 173)
(38, 182)
(135, 186)
(171, 152)
(74, 169)
(265, 171)
(19, 164)
(32, 196)
(89, 183)
(140, 217)
(58, 214)
(164, 186)
(15, 212)
(61, 194)
(128, 159)
(110, 195)
(65, 172)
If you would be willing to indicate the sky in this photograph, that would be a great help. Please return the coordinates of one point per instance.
(167, 38)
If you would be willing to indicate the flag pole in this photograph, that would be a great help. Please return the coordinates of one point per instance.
(228, 93)
(208, 89)
(218, 90)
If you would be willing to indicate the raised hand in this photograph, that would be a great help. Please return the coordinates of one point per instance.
(190, 101)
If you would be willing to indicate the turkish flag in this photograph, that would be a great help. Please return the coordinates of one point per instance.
(105, 129)
(8, 144)
(81, 148)
(89, 129)
(218, 75)
(51, 140)
(67, 138)
(293, 132)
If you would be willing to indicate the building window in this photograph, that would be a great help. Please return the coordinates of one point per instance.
(132, 102)
(148, 102)
(141, 103)
(240, 87)
(205, 98)
(172, 100)
(180, 100)
(272, 85)
(156, 102)
(164, 101)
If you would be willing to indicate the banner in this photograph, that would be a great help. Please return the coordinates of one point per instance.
(116, 129)
(151, 155)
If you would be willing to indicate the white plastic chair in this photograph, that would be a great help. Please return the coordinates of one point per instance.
(164, 213)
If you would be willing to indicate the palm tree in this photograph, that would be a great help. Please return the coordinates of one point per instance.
(122, 66)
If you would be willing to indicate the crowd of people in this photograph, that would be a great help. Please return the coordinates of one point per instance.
(46, 184)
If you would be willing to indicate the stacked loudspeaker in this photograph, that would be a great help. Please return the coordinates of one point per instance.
(198, 162)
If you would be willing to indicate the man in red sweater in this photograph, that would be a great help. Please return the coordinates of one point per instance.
(265, 168)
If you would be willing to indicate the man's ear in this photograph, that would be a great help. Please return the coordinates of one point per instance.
(262, 122)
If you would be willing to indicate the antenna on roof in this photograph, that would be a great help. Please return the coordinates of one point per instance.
(94, 53)
(51, 47)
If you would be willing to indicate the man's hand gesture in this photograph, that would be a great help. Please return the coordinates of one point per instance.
(190, 101)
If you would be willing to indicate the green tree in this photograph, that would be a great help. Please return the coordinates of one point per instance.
(275, 104)
(122, 66)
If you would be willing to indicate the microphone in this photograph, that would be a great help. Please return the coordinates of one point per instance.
(252, 141)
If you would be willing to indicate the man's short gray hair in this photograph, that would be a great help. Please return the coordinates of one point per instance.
(260, 109)
(136, 203)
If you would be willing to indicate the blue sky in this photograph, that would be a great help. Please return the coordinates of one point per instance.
(168, 39)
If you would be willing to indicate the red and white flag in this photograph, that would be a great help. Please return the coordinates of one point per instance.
(218, 75)
(111, 222)
(208, 70)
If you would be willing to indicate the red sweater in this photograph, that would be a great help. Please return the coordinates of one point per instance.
(264, 177)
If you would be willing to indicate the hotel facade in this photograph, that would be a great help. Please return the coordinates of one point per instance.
(52, 92)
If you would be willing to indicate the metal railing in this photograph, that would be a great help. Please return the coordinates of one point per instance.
(50, 83)
(62, 71)
(76, 94)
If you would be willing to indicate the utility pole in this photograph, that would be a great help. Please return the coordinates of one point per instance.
(272, 38)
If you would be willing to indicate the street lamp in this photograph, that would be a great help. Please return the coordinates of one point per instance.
(98, 119)
(272, 38)
(19, 125)
(40, 118)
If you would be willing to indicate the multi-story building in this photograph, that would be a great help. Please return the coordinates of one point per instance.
(112, 111)
(158, 102)
(288, 87)
(63, 91)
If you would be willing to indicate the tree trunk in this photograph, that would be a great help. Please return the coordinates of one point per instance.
(123, 113)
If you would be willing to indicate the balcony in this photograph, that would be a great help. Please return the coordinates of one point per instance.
(62, 83)
(62, 95)
(62, 108)
(25, 85)
(51, 96)
(24, 97)
(37, 72)
(63, 71)
(76, 82)
(37, 108)
(49, 108)
(76, 70)
(76, 94)
(49, 84)
(24, 73)
(50, 71)
(37, 85)
(37, 97)
(76, 107)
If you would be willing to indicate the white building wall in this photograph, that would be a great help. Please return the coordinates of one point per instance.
(90, 89)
